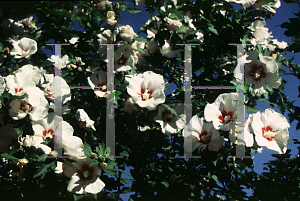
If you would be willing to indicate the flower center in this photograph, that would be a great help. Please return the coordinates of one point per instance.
(167, 116)
(146, 94)
(268, 133)
(25, 52)
(48, 133)
(102, 86)
(257, 72)
(122, 60)
(19, 91)
(86, 174)
(25, 107)
(226, 116)
(205, 137)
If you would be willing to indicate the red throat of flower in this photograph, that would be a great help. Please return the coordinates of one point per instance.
(205, 137)
(167, 116)
(146, 94)
(257, 72)
(226, 117)
(268, 133)
(48, 133)
(86, 173)
(25, 106)
(102, 86)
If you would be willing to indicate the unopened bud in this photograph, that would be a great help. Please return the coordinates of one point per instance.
(94, 155)
(80, 69)
(7, 49)
(73, 66)
(23, 161)
(103, 166)
(274, 56)
(53, 153)
(117, 5)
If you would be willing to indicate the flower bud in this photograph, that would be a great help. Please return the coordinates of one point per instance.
(23, 161)
(117, 5)
(53, 153)
(103, 166)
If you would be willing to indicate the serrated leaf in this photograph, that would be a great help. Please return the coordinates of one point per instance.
(94, 162)
(44, 169)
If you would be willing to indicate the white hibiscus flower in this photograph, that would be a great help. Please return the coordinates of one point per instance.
(24, 48)
(50, 88)
(33, 140)
(84, 178)
(127, 33)
(169, 50)
(247, 132)
(35, 105)
(57, 60)
(271, 130)
(106, 37)
(245, 3)
(261, 71)
(98, 82)
(27, 76)
(201, 135)
(222, 113)
(147, 89)
(260, 32)
(125, 58)
(110, 18)
(169, 122)
(85, 120)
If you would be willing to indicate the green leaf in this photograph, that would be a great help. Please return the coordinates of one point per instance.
(88, 149)
(94, 162)
(212, 29)
(125, 173)
(141, 39)
(110, 171)
(214, 177)
(183, 28)
(166, 184)
(133, 10)
(170, 109)
(44, 169)
(124, 153)
(18, 130)
(9, 157)
(42, 158)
